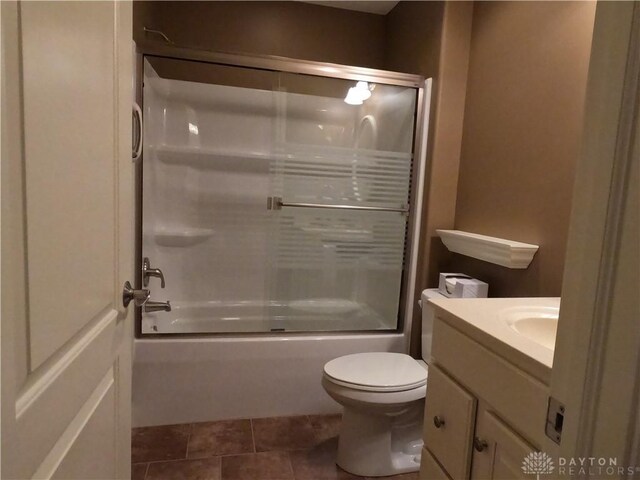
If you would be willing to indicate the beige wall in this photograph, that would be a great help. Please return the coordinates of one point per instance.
(522, 126)
(432, 39)
(290, 29)
(413, 38)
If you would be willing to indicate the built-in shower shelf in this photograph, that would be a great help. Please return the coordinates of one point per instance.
(203, 157)
(181, 237)
(339, 234)
(207, 157)
(306, 149)
(508, 253)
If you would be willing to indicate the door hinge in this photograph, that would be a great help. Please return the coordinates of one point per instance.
(555, 419)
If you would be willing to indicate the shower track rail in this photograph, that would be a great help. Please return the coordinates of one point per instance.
(276, 203)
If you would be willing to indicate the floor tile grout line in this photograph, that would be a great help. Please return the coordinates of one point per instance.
(253, 436)
(170, 460)
(314, 430)
(173, 460)
(293, 474)
(186, 453)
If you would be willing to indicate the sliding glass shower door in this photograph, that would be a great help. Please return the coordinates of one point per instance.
(270, 203)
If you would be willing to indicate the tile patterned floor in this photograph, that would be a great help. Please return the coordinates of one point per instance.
(280, 448)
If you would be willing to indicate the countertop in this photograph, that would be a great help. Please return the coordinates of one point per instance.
(479, 318)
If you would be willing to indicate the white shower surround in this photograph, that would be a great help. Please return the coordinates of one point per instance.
(180, 380)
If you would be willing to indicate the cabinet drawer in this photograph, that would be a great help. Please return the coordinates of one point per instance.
(448, 423)
(429, 468)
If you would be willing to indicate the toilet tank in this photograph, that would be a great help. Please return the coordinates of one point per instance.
(427, 321)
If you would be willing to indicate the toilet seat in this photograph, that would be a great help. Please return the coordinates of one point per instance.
(377, 372)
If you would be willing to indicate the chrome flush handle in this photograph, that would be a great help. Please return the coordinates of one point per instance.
(148, 272)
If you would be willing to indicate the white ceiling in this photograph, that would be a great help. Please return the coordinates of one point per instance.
(379, 7)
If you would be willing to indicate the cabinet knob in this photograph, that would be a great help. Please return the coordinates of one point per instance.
(479, 444)
(438, 421)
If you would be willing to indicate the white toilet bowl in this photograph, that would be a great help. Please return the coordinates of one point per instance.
(383, 398)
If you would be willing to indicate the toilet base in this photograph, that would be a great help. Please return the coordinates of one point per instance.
(377, 445)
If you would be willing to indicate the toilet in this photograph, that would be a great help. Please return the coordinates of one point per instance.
(383, 398)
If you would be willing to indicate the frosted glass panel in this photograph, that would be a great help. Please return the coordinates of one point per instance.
(337, 153)
(330, 153)
(339, 176)
(343, 265)
(219, 141)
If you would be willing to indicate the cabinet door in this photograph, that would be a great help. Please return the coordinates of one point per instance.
(503, 456)
(448, 425)
(429, 468)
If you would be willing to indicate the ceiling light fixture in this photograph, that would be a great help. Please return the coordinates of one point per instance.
(358, 94)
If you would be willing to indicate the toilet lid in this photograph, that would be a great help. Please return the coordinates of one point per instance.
(377, 371)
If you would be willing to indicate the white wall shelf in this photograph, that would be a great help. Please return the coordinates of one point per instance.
(507, 253)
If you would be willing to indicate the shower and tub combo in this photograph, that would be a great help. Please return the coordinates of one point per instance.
(278, 229)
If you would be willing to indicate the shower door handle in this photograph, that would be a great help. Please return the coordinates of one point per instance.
(276, 203)
(137, 131)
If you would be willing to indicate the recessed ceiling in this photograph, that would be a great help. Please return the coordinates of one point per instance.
(379, 7)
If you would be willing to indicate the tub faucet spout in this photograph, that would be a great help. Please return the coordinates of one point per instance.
(157, 307)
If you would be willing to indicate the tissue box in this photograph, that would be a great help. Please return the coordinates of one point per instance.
(447, 281)
(470, 288)
(459, 285)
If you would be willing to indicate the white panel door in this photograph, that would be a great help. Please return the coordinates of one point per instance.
(67, 239)
(596, 368)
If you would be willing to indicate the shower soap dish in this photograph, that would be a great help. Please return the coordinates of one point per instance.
(508, 253)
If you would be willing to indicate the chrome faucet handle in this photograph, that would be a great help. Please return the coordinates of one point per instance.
(139, 297)
(148, 272)
(156, 272)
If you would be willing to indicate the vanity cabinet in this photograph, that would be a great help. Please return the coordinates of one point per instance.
(482, 414)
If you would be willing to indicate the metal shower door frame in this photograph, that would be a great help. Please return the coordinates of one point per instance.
(329, 70)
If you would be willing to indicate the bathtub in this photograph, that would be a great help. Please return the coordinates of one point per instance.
(312, 315)
(183, 380)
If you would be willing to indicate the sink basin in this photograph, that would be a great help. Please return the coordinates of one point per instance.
(539, 324)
